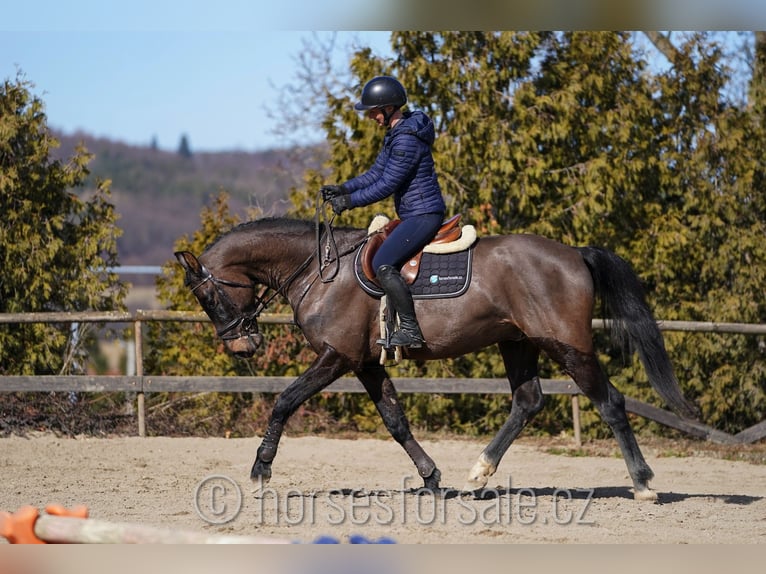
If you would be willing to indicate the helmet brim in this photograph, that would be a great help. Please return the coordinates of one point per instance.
(360, 107)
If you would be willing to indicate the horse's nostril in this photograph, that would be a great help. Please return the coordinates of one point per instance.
(245, 347)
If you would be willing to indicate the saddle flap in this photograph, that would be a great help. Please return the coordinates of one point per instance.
(447, 236)
(451, 223)
(368, 251)
(409, 271)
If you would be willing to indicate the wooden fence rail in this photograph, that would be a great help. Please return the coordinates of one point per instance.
(142, 384)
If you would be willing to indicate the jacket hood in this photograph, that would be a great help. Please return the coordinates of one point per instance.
(418, 124)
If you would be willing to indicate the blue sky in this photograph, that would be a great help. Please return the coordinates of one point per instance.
(139, 70)
(144, 69)
(214, 86)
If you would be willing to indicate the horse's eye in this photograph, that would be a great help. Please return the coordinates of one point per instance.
(209, 300)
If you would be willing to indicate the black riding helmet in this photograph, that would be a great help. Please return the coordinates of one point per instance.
(381, 92)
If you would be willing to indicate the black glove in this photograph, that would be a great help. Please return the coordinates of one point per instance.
(330, 191)
(340, 203)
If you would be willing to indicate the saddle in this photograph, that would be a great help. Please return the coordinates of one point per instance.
(449, 239)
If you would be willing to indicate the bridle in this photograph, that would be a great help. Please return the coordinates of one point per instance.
(247, 323)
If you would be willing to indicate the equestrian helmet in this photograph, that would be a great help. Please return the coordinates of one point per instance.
(380, 92)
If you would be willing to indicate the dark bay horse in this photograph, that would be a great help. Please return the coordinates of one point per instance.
(528, 294)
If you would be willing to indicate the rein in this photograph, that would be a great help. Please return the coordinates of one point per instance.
(331, 253)
(329, 245)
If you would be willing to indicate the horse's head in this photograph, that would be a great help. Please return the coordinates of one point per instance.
(230, 304)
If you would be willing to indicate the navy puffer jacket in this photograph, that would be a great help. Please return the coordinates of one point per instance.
(404, 168)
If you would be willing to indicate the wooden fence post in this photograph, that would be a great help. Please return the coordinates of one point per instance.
(140, 397)
(576, 419)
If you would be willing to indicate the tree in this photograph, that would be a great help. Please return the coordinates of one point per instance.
(184, 150)
(56, 248)
(758, 85)
(574, 136)
(706, 259)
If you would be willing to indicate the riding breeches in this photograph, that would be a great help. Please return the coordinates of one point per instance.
(407, 238)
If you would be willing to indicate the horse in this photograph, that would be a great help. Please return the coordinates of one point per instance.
(528, 295)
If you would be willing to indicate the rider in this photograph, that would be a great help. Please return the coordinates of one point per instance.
(405, 169)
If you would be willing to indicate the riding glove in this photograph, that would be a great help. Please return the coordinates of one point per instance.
(330, 191)
(340, 203)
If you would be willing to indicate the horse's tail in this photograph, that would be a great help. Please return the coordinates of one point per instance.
(623, 301)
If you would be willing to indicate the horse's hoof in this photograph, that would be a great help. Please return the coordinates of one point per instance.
(645, 495)
(479, 475)
(431, 482)
(473, 484)
(260, 473)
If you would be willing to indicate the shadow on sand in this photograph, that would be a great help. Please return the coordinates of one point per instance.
(600, 492)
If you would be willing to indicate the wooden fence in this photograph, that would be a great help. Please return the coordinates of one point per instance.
(142, 384)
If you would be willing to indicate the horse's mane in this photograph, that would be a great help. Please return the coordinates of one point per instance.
(286, 227)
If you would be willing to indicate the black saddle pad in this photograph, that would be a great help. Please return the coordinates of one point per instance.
(440, 275)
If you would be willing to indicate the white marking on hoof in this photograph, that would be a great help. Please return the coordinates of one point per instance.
(647, 495)
(479, 474)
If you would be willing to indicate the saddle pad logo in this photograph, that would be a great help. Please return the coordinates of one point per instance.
(436, 279)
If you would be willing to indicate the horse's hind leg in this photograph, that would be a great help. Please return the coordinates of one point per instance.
(590, 377)
(520, 359)
(381, 390)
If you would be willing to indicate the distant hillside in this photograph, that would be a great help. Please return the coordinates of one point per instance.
(159, 194)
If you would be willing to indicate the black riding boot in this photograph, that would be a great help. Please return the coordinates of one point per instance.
(400, 298)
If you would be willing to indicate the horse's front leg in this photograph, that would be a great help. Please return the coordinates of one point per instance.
(328, 367)
(381, 390)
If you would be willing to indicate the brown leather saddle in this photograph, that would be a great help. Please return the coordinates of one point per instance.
(448, 232)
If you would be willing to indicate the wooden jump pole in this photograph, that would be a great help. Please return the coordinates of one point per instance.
(64, 529)
(59, 525)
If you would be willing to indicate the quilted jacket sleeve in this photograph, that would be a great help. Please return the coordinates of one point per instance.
(394, 168)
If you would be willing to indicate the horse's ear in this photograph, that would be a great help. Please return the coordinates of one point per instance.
(189, 262)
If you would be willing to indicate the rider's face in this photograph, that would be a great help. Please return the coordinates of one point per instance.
(378, 115)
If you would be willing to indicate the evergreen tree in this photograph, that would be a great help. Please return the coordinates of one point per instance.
(184, 149)
(56, 248)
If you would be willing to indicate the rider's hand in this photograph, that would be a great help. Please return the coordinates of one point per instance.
(330, 191)
(340, 203)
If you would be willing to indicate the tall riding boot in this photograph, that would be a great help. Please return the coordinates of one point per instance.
(400, 298)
